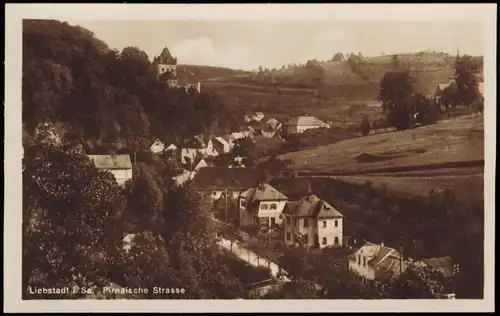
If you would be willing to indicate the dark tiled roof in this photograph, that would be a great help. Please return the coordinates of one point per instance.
(263, 192)
(312, 206)
(220, 178)
(443, 264)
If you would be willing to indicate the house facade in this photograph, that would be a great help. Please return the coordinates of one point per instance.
(119, 165)
(215, 181)
(261, 205)
(374, 263)
(312, 222)
(301, 124)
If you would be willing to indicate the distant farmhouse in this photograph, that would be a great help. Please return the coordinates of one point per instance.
(119, 165)
(301, 124)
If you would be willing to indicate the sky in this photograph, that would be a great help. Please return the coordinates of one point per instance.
(249, 44)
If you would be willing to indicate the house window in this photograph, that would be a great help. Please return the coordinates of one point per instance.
(324, 241)
(306, 239)
(336, 241)
(242, 203)
(306, 222)
(324, 223)
(359, 260)
(288, 221)
(273, 221)
(364, 261)
(274, 206)
(263, 207)
(281, 216)
(214, 193)
(288, 236)
(336, 223)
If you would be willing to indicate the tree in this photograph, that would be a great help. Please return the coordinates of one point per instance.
(466, 71)
(245, 148)
(71, 220)
(427, 110)
(275, 165)
(145, 198)
(449, 97)
(365, 126)
(396, 90)
(106, 96)
(338, 57)
(396, 62)
(418, 282)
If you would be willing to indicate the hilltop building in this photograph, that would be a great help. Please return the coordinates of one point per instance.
(166, 71)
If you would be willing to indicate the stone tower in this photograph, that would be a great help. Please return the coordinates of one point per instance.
(166, 68)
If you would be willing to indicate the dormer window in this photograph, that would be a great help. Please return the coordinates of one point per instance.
(324, 224)
(264, 207)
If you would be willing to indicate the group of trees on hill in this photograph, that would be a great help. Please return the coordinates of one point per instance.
(404, 108)
(106, 96)
(75, 219)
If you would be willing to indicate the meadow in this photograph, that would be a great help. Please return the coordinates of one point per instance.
(446, 155)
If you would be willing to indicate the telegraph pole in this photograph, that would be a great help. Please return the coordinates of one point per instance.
(401, 260)
(225, 204)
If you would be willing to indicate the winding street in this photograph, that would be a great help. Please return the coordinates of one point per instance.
(251, 257)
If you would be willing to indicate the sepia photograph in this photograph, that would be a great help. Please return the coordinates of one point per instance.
(269, 160)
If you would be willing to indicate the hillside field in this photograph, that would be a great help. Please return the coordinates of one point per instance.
(449, 154)
(327, 89)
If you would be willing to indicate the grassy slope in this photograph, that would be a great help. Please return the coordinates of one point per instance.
(326, 90)
(195, 73)
(419, 151)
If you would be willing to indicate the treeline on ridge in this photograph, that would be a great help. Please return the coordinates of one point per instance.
(95, 93)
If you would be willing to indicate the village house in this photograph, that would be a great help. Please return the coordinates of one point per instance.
(312, 222)
(171, 147)
(221, 145)
(375, 264)
(262, 205)
(301, 124)
(214, 181)
(274, 124)
(190, 150)
(157, 147)
(447, 268)
(201, 164)
(209, 149)
(119, 165)
(182, 176)
(257, 116)
(442, 264)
